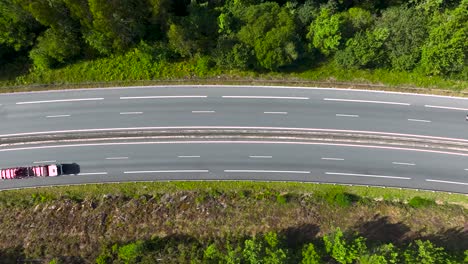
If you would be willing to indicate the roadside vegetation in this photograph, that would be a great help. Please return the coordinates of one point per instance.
(396, 43)
(231, 222)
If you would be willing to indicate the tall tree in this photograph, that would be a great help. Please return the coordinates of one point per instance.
(325, 33)
(407, 28)
(446, 50)
(18, 28)
(271, 31)
(117, 24)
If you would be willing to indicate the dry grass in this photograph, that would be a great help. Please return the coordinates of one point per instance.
(68, 224)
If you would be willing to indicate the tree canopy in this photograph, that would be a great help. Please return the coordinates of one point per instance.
(419, 35)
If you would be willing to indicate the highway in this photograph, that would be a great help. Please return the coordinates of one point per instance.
(232, 106)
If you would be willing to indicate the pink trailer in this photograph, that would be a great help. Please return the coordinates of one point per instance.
(36, 171)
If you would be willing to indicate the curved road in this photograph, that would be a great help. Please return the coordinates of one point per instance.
(186, 106)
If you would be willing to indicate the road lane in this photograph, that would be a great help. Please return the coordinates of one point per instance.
(237, 110)
(213, 162)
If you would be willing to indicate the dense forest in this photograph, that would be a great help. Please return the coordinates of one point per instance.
(424, 36)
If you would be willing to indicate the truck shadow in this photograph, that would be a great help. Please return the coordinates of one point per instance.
(70, 168)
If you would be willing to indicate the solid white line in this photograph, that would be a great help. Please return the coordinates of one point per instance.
(265, 97)
(261, 157)
(163, 97)
(93, 173)
(164, 171)
(228, 127)
(403, 163)
(116, 158)
(446, 107)
(347, 115)
(52, 116)
(131, 113)
(276, 113)
(188, 156)
(202, 112)
(309, 88)
(60, 101)
(419, 120)
(267, 171)
(45, 161)
(367, 175)
(332, 159)
(450, 182)
(364, 101)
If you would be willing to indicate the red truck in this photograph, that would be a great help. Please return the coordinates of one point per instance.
(34, 171)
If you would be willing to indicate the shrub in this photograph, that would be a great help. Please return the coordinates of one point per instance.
(418, 202)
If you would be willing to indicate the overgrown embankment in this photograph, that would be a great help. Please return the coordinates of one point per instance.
(179, 222)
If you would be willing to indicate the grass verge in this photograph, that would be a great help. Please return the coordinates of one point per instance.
(139, 68)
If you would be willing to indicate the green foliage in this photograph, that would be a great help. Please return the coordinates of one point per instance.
(407, 31)
(281, 199)
(117, 25)
(338, 196)
(195, 33)
(211, 254)
(360, 19)
(17, 26)
(130, 253)
(425, 252)
(325, 33)
(344, 251)
(55, 47)
(418, 202)
(54, 261)
(251, 251)
(39, 198)
(365, 50)
(401, 42)
(274, 253)
(310, 255)
(270, 31)
(446, 50)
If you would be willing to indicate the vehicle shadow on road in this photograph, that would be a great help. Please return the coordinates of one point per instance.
(70, 168)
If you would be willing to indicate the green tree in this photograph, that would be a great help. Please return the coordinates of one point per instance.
(130, 253)
(341, 250)
(117, 24)
(252, 251)
(446, 50)
(17, 26)
(365, 50)
(310, 255)
(211, 254)
(407, 31)
(359, 19)
(195, 33)
(270, 31)
(424, 252)
(274, 254)
(325, 33)
(55, 47)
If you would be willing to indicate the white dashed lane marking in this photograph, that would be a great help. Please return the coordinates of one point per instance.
(364, 101)
(367, 175)
(60, 101)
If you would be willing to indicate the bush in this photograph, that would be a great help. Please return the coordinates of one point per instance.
(418, 202)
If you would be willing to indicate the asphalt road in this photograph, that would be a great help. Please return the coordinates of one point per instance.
(246, 161)
(242, 107)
